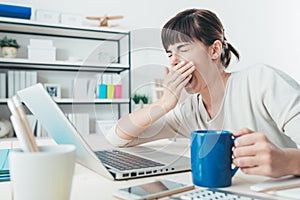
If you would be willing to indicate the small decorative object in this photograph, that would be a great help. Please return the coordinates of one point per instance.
(103, 21)
(6, 129)
(53, 90)
(9, 47)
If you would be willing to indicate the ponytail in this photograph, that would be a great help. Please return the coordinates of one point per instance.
(226, 54)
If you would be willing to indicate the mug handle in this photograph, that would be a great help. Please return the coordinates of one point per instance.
(234, 170)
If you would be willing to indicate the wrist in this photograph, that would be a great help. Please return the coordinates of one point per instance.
(164, 105)
(294, 157)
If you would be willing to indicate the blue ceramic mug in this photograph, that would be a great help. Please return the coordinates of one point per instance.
(211, 158)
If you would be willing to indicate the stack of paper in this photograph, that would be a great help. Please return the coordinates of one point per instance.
(4, 165)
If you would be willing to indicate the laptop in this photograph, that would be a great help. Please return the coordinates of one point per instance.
(106, 162)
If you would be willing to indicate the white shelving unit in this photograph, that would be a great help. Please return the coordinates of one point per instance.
(71, 41)
(61, 65)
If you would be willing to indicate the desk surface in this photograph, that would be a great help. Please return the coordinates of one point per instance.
(89, 185)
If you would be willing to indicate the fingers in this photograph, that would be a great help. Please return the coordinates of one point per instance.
(244, 151)
(257, 170)
(183, 66)
(242, 141)
(260, 170)
(184, 82)
(181, 72)
(242, 162)
(250, 139)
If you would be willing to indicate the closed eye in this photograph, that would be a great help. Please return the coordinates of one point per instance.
(184, 50)
(183, 47)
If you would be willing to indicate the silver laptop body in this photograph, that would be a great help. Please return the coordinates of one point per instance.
(62, 131)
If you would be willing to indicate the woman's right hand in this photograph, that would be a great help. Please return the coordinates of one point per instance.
(176, 79)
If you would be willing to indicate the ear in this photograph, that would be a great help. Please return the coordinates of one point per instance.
(216, 49)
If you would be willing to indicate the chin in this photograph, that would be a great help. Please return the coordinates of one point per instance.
(189, 89)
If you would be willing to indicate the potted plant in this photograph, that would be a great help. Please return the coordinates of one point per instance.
(9, 47)
(136, 98)
(136, 102)
(139, 101)
(145, 99)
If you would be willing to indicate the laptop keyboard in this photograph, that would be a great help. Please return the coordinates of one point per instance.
(213, 194)
(124, 161)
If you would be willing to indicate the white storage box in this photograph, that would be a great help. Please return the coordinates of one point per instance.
(41, 43)
(47, 16)
(41, 53)
(71, 19)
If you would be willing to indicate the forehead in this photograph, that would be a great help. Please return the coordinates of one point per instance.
(178, 45)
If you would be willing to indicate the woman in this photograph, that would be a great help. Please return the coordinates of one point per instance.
(259, 104)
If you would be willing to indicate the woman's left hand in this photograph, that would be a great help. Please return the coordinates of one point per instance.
(255, 154)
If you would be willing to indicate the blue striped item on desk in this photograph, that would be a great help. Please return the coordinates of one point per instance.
(4, 165)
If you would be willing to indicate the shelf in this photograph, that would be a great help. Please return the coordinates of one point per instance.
(83, 101)
(18, 63)
(96, 101)
(22, 26)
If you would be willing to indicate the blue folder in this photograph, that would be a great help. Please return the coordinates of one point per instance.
(15, 11)
(4, 165)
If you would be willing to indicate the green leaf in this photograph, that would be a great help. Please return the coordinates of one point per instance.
(9, 42)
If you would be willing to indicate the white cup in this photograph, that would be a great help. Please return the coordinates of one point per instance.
(44, 175)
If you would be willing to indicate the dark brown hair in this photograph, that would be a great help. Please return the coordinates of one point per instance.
(199, 24)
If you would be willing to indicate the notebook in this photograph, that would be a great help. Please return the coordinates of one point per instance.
(62, 131)
(287, 186)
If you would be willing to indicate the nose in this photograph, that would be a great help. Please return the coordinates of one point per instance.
(175, 59)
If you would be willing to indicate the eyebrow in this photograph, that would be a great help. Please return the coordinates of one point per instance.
(178, 47)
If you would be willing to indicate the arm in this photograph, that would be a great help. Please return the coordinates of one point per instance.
(255, 154)
(130, 126)
(278, 96)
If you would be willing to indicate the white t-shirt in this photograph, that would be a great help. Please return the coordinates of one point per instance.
(260, 98)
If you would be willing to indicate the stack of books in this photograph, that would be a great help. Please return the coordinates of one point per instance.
(4, 165)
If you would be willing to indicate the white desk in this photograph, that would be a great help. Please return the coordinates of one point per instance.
(91, 186)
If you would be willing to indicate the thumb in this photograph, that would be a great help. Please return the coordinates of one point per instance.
(243, 131)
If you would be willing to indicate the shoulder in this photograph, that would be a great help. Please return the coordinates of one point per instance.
(255, 71)
(265, 75)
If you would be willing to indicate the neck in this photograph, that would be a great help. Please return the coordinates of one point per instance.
(213, 94)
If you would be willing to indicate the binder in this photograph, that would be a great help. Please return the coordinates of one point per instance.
(15, 11)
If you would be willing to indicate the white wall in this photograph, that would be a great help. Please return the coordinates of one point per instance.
(264, 31)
